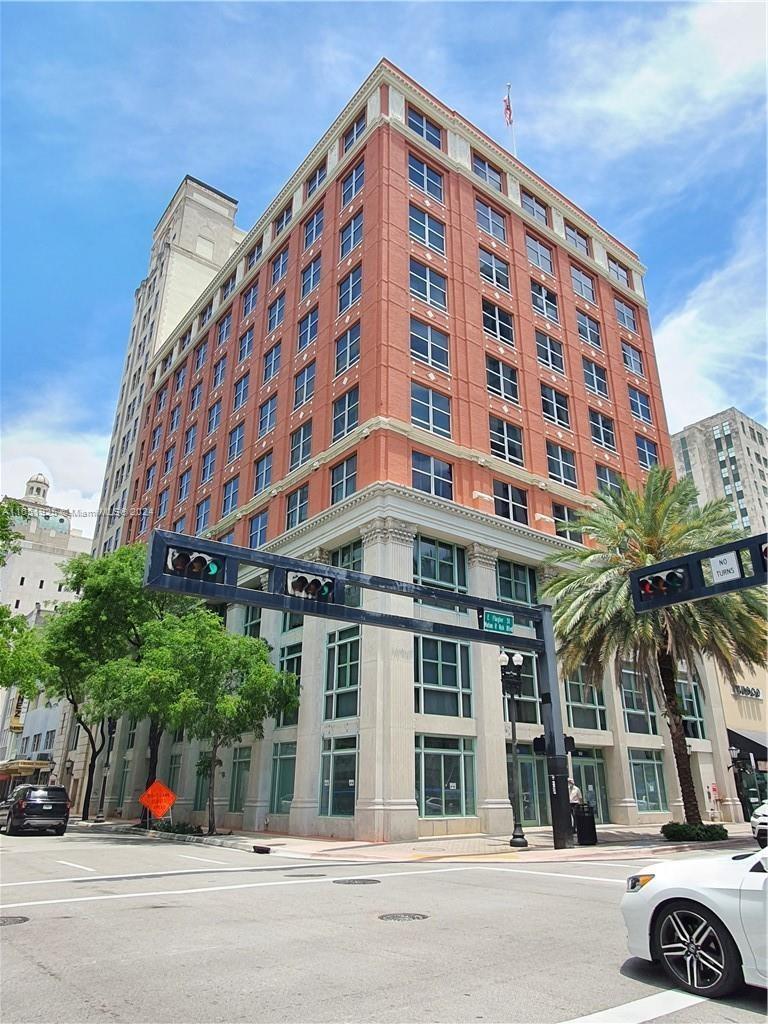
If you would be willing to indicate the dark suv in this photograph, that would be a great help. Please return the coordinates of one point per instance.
(36, 807)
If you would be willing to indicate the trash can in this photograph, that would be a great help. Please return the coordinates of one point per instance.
(584, 818)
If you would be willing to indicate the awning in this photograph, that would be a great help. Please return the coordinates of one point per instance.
(17, 767)
(749, 742)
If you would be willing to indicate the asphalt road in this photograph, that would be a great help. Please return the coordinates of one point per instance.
(126, 929)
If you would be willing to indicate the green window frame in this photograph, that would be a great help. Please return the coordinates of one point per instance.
(647, 770)
(515, 582)
(174, 771)
(338, 777)
(585, 703)
(445, 776)
(342, 674)
(283, 777)
(241, 771)
(528, 701)
(637, 701)
(350, 556)
(202, 786)
(443, 684)
(690, 698)
(436, 563)
(252, 621)
(125, 771)
(290, 661)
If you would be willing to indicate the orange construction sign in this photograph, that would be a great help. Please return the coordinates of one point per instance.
(158, 799)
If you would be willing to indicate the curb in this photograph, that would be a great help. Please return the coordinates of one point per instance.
(129, 830)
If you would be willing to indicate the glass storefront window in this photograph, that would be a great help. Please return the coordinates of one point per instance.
(637, 699)
(445, 776)
(338, 776)
(527, 708)
(588, 768)
(442, 678)
(342, 676)
(648, 780)
(689, 696)
(283, 775)
(585, 703)
(241, 771)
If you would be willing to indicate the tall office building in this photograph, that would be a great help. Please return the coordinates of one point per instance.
(726, 456)
(194, 237)
(421, 361)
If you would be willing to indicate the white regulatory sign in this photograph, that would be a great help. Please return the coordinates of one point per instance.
(725, 567)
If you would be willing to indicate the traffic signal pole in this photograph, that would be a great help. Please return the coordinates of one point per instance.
(554, 738)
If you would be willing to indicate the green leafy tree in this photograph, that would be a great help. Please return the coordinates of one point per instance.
(595, 621)
(21, 660)
(224, 685)
(10, 512)
(120, 612)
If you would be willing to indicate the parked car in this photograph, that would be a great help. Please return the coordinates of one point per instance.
(759, 823)
(36, 807)
(703, 919)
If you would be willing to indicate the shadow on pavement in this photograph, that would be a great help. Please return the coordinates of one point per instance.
(746, 997)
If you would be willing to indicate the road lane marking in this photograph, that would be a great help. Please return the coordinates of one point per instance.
(207, 860)
(641, 1010)
(549, 874)
(224, 888)
(69, 864)
(160, 872)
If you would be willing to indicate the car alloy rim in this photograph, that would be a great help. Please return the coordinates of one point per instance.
(691, 949)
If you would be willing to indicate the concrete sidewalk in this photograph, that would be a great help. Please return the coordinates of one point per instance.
(633, 843)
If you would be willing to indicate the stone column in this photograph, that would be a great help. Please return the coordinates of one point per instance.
(622, 807)
(304, 807)
(386, 803)
(716, 732)
(493, 806)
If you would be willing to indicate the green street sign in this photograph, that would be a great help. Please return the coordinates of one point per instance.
(498, 622)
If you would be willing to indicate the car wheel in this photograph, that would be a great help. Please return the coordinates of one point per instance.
(762, 841)
(10, 828)
(60, 830)
(696, 949)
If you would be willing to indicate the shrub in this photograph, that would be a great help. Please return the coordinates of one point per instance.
(179, 828)
(681, 832)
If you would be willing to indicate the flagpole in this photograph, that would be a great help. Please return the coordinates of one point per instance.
(512, 119)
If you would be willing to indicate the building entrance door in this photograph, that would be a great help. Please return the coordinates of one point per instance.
(589, 776)
(534, 803)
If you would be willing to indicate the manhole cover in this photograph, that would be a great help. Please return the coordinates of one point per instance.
(356, 881)
(13, 920)
(403, 917)
(304, 876)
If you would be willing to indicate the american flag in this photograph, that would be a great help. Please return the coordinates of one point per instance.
(507, 111)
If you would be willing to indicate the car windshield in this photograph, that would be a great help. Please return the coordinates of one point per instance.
(49, 793)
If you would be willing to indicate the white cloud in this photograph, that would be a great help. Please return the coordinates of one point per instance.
(644, 82)
(711, 350)
(46, 440)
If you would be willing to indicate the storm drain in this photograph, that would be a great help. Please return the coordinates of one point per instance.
(13, 920)
(356, 881)
(403, 917)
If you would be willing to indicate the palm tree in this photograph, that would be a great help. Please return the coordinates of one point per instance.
(595, 621)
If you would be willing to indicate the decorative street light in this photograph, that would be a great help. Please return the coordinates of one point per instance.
(511, 682)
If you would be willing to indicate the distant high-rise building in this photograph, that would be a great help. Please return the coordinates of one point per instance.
(726, 456)
(421, 362)
(194, 237)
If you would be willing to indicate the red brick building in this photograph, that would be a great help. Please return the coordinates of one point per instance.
(421, 361)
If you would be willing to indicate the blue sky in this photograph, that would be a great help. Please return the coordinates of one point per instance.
(650, 116)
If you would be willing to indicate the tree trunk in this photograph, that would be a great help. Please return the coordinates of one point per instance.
(668, 673)
(95, 751)
(211, 785)
(155, 735)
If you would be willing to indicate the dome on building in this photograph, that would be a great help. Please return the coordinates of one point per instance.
(37, 488)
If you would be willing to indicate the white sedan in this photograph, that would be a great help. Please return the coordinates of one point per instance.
(703, 919)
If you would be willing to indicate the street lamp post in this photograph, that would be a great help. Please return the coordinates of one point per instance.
(111, 725)
(510, 684)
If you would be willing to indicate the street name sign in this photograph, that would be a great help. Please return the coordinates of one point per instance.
(497, 622)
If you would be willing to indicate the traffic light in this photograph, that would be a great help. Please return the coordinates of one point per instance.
(194, 565)
(668, 583)
(312, 588)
